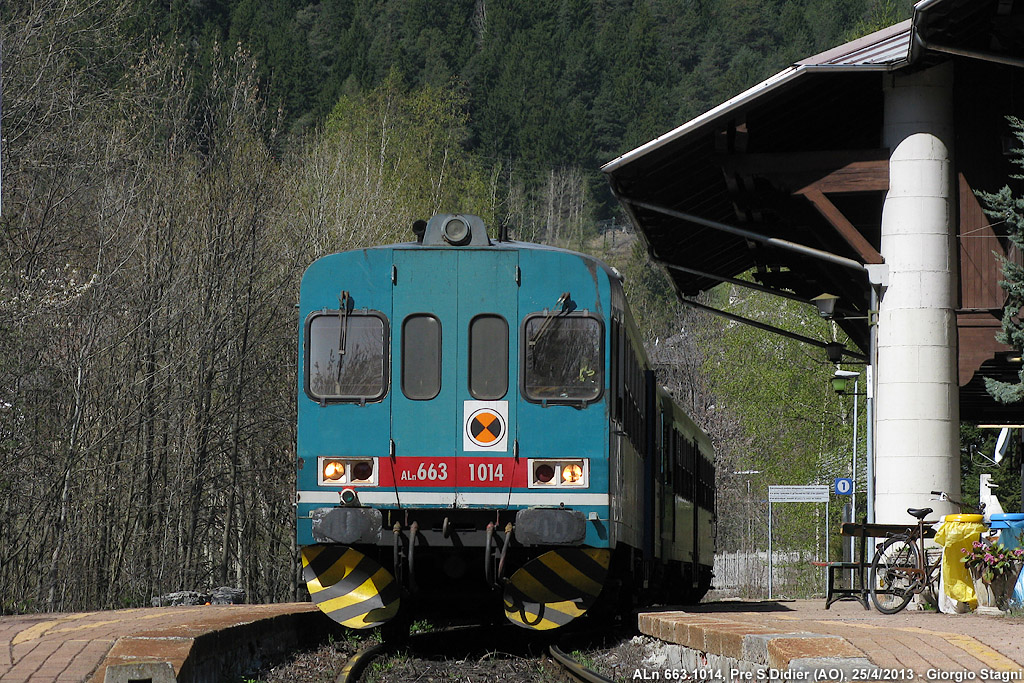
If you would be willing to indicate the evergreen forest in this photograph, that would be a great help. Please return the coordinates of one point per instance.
(169, 169)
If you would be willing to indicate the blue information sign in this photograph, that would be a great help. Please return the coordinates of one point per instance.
(844, 487)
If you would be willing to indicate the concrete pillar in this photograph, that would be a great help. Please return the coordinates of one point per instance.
(917, 423)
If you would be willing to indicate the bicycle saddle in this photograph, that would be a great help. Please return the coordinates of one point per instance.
(920, 514)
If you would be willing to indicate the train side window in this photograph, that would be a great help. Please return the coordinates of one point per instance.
(488, 357)
(359, 373)
(634, 397)
(563, 358)
(666, 436)
(630, 388)
(421, 356)
(616, 378)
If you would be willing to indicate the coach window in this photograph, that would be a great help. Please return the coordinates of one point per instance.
(488, 357)
(616, 371)
(345, 357)
(421, 357)
(562, 358)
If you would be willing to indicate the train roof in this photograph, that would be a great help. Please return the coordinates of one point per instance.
(687, 426)
(465, 231)
(519, 246)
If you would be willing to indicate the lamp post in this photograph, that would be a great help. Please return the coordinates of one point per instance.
(840, 383)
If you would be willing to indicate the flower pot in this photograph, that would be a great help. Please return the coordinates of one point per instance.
(984, 593)
(998, 592)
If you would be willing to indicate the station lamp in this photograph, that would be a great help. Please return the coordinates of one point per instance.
(841, 380)
(826, 304)
(834, 352)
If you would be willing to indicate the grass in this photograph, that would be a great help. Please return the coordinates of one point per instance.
(421, 626)
(381, 666)
(584, 659)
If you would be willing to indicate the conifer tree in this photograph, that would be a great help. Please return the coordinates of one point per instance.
(1007, 210)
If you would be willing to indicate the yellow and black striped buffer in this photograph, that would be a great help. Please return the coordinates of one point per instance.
(555, 588)
(349, 587)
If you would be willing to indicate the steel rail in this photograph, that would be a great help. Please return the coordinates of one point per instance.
(574, 668)
(358, 662)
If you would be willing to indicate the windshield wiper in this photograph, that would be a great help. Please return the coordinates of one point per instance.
(563, 305)
(343, 303)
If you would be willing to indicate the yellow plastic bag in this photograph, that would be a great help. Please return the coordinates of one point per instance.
(957, 532)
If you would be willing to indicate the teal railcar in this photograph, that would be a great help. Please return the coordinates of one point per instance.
(478, 424)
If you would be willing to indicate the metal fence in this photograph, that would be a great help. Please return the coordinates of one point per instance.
(745, 574)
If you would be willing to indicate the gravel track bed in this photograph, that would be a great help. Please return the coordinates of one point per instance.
(511, 657)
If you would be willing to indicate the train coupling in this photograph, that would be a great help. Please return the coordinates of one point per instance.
(494, 568)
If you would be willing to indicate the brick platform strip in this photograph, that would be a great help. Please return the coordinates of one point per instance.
(205, 644)
(811, 646)
(727, 646)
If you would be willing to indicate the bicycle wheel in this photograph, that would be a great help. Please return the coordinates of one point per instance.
(893, 577)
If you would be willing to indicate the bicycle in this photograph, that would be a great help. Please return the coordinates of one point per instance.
(900, 569)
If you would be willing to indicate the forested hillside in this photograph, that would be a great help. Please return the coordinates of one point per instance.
(547, 84)
(168, 170)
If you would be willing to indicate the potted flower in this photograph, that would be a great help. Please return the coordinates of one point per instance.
(994, 568)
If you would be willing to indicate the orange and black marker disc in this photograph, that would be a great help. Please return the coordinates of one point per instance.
(485, 427)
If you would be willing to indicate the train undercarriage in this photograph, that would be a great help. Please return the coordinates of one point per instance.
(447, 562)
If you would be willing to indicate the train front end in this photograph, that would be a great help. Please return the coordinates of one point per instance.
(452, 429)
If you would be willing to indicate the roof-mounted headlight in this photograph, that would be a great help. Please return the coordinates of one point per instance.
(456, 232)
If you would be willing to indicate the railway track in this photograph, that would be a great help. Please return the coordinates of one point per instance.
(575, 669)
(457, 646)
(359, 661)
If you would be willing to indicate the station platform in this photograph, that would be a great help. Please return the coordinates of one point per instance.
(156, 645)
(801, 640)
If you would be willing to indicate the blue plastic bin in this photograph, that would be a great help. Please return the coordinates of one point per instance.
(1010, 526)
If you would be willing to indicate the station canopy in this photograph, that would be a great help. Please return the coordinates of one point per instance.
(787, 180)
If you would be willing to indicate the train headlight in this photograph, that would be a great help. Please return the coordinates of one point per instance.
(362, 471)
(346, 471)
(572, 473)
(456, 232)
(334, 470)
(554, 473)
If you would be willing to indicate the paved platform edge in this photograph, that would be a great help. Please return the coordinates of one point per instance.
(716, 642)
(211, 656)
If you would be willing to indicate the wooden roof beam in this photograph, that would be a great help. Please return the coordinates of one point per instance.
(842, 225)
(841, 171)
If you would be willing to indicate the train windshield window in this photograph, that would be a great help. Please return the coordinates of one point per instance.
(488, 357)
(563, 358)
(421, 357)
(357, 374)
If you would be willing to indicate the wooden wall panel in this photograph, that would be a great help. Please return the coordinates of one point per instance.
(979, 254)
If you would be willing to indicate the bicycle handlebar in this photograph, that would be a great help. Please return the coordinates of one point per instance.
(946, 497)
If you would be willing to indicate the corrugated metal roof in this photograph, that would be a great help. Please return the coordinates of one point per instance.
(889, 47)
(882, 50)
(695, 124)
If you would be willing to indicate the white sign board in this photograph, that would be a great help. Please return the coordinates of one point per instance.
(818, 493)
(798, 494)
